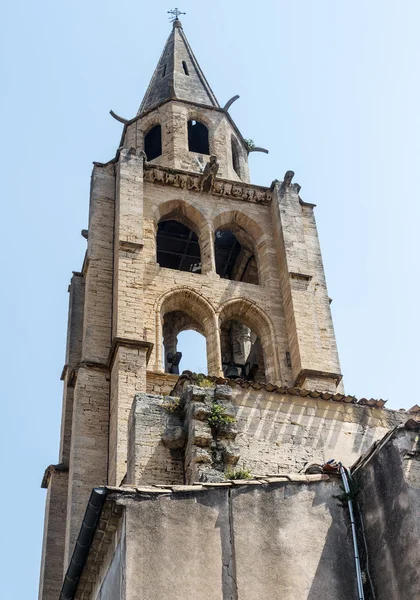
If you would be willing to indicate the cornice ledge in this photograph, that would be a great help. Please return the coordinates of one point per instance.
(315, 373)
(61, 467)
(130, 343)
(303, 276)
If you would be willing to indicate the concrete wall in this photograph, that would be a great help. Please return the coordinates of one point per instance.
(389, 479)
(287, 541)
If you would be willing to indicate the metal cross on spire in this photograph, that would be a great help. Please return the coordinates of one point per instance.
(175, 12)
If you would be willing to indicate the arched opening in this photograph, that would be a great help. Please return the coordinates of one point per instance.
(153, 142)
(185, 67)
(247, 342)
(242, 352)
(235, 256)
(198, 137)
(184, 343)
(188, 352)
(184, 310)
(177, 247)
(235, 156)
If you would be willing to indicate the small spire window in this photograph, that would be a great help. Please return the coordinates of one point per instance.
(164, 71)
(235, 156)
(153, 142)
(185, 67)
(198, 137)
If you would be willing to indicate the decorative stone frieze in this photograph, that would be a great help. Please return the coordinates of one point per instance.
(221, 187)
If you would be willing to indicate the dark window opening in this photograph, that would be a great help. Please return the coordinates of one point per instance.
(153, 142)
(178, 247)
(235, 157)
(184, 344)
(184, 66)
(242, 353)
(235, 260)
(198, 137)
(164, 71)
(227, 250)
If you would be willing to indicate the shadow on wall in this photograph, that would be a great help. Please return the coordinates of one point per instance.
(335, 576)
(283, 433)
(290, 541)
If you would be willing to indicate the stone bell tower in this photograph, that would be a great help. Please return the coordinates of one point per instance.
(179, 239)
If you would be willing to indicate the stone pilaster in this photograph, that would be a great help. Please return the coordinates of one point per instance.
(89, 437)
(128, 377)
(310, 331)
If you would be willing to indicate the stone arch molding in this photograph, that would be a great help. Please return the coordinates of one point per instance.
(250, 314)
(200, 309)
(190, 216)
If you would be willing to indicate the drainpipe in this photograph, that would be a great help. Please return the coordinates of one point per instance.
(84, 540)
(361, 595)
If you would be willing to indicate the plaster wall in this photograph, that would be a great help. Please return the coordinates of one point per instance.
(112, 585)
(389, 498)
(255, 542)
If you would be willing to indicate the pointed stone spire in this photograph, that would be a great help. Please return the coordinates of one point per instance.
(177, 75)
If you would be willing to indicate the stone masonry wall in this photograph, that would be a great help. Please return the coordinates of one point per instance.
(281, 433)
(52, 561)
(207, 213)
(170, 440)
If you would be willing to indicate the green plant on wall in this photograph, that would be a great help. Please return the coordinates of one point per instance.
(218, 417)
(238, 474)
(202, 381)
(250, 143)
(173, 405)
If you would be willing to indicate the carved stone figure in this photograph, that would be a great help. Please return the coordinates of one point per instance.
(248, 194)
(237, 191)
(218, 187)
(259, 196)
(183, 181)
(148, 175)
(158, 176)
(194, 183)
(288, 176)
(209, 175)
(227, 189)
(172, 178)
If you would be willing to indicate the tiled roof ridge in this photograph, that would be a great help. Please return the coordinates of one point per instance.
(292, 391)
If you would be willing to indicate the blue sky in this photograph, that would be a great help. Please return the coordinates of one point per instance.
(330, 88)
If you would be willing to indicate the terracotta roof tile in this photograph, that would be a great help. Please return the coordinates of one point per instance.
(292, 391)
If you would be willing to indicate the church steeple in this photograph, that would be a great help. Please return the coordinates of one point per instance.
(177, 75)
